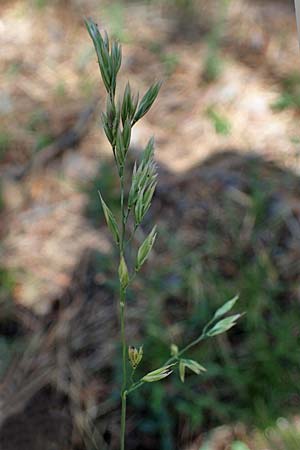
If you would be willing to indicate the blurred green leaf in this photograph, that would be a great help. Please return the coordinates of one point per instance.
(221, 123)
(238, 445)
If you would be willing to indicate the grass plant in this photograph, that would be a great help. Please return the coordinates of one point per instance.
(120, 116)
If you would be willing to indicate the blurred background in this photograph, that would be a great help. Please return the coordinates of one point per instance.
(227, 134)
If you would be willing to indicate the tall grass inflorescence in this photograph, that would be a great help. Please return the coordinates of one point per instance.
(118, 120)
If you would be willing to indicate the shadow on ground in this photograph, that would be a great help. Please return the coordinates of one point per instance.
(228, 226)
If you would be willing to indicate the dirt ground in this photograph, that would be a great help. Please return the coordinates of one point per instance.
(49, 77)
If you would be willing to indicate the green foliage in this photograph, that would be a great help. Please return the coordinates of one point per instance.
(214, 62)
(8, 348)
(60, 89)
(170, 60)
(40, 4)
(37, 120)
(38, 126)
(7, 283)
(283, 436)
(42, 141)
(10, 341)
(238, 445)
(252, 374)
(14, 69)
(220, 123)
(183, 4)
(86, 87)
(1, 199)
(114, 14)
(290, 93)
(5, 142)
